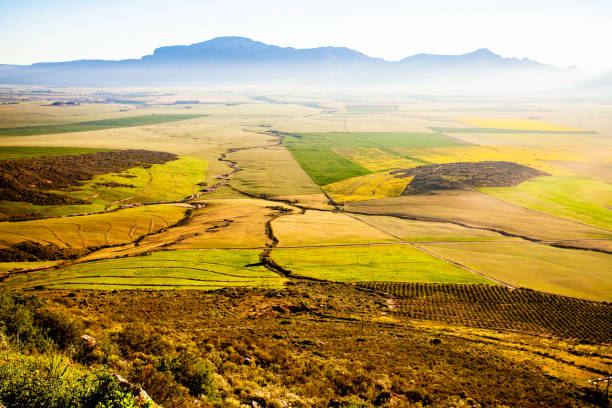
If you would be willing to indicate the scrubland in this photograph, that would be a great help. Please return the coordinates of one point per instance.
(284, 256)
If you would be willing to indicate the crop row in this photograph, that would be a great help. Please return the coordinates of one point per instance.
(498, 307)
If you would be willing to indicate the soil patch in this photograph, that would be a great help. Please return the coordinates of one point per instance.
(461, 175)
(29, 180)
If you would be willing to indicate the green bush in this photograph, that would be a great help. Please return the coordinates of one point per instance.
(192, 372)
(52, 381)
(18, 324)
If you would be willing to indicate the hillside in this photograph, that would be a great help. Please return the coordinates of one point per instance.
(238, 60)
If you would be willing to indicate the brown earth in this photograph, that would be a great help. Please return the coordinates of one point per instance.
(29, 180)
(457, 176)
(30, 251)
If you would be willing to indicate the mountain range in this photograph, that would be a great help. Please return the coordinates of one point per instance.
(242, 61)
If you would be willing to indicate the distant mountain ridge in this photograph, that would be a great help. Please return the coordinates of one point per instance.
(240, 48)
(239, 60)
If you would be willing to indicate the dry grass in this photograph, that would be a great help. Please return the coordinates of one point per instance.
(325, 228)
(422, 231)
(476, 209)
(95, 230)
(566, 272)
(578, 199)
(314, 201)
(223, 223)
(270, 172)
(517, 124)
(532, 156)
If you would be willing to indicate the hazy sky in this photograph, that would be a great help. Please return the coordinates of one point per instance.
(558, 32)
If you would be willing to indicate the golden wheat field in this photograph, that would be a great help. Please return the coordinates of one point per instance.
(248, 190)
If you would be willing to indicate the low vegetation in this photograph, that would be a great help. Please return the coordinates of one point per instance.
(35, 370)
(369, 187)
(95, 125)
(457, 176)
(19, 152)
(578, 199)
(517, 124)
(312, 345)
(399, 262)
(181, 269)
(497, 307)
(29, 180)
(371, 108)
(315, 151)
(92, 231)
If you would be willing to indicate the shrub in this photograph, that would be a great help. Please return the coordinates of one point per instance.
(193, 372)
(137, 338)
(52, 381)
(59, 327)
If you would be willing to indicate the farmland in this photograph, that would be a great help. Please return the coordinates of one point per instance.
(578, 199)
(371, 108)
(163, 270)
(17, 152)
(317, 152)
(94, 125)
(497, 307)
(320, 228)
(517, 124)
(95, 230)
(140, 183)
(307, 234)
(378, 263)
(369, 187)
(568, 272)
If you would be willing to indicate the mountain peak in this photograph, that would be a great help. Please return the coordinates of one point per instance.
(483, 52)
(229, 42)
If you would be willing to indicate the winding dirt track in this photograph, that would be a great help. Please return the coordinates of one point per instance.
(272, 244)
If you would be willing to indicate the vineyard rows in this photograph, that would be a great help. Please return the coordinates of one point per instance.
(498, 307)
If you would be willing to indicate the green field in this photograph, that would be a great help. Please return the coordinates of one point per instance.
(96, 124)
(313, 151)
(171, 181)
(401, 263)
(579, 199)
(182, 269)
(18, 152)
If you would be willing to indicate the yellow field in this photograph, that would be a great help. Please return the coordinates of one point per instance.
(476, 209)
(369, 187)
(562, 271)
(223, 223)
(315, 228)
(6, 267)
(516, 124)
(568, 141)
(374, 159)
(312, 201)
(92, 230)
(532, 156)
(411, 230)
(270, 171)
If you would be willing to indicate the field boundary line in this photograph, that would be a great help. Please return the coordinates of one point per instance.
(461, 266)
(537, 211)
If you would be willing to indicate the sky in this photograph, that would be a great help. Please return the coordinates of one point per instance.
(557, 32)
